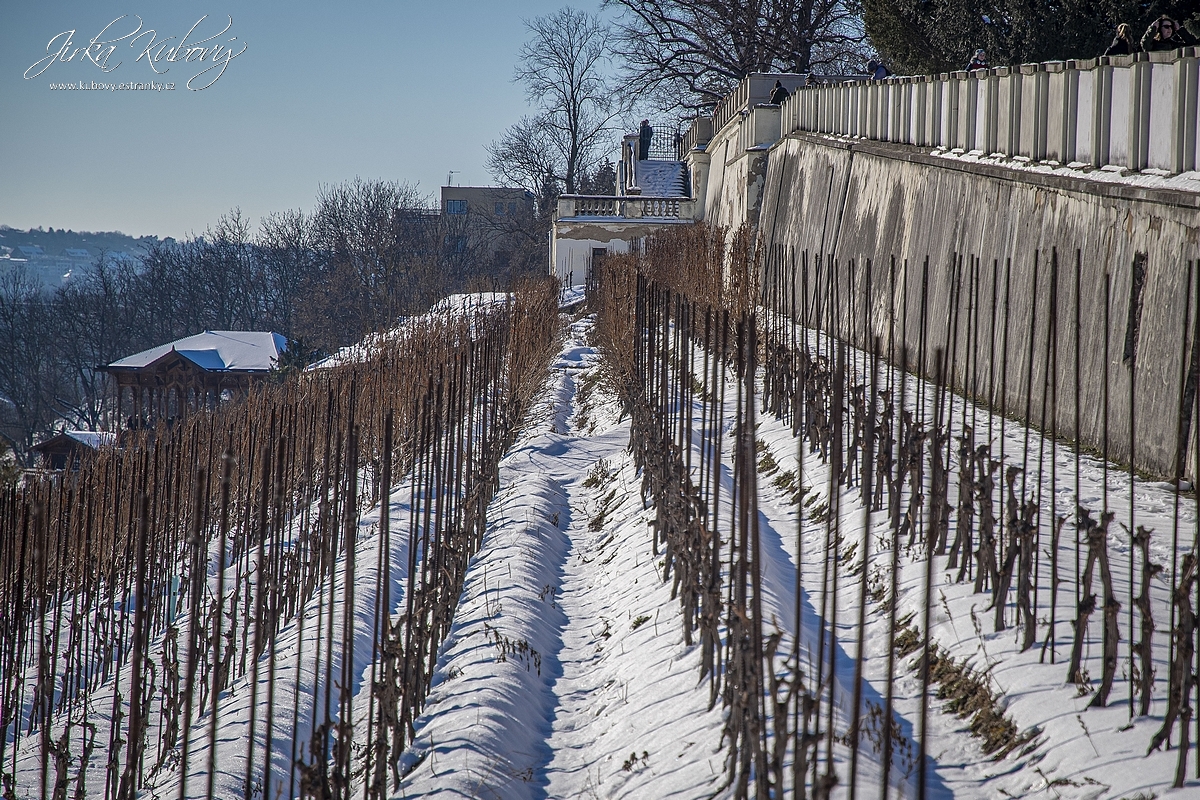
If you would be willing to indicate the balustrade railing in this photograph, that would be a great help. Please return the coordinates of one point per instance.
(1132, 112)
(596, 206)
(630, 207)
(698, 133)
(754, 89)
(659, 207)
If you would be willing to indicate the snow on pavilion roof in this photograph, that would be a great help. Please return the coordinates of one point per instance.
(92, 439)
(215, 351)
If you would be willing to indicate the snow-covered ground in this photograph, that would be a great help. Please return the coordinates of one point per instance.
(619, 710)
(296, 686)
(1081, 752)
(450, 307)
(565, 674)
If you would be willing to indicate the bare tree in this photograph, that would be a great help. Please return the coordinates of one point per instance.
(31, 380)
(565, 69)
(378, 248)
(98, 321)
(526, 156)
(287, 260)
(370, 251)
(685, 51)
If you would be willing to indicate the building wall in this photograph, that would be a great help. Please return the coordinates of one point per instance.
(481, 222)
(573, 257)
(729, 175)
(574, 241)
(482, 200)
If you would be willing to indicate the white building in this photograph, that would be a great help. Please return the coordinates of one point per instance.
(654, 193)
(650, 194)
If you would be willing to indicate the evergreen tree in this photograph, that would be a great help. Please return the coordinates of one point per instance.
(10, 466)
(603, 182)
(929, 36)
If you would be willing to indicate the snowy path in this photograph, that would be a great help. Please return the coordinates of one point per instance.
(564, 674)
(612, 705)
(631, 720)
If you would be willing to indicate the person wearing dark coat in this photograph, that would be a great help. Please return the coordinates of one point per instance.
(1123, 44)
(978, 61)
(1164, 34)
(877, 69)
(779, 94)
(645, 134)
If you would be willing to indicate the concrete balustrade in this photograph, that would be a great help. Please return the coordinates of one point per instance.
(1131, 112)
(760, 126)
(572, 206)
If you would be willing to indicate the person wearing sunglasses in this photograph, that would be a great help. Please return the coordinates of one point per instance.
(1164, 34)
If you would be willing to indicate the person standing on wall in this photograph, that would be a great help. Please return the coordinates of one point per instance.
(1123, 44)
(645, 134)
(779, 94)
(1164, 34)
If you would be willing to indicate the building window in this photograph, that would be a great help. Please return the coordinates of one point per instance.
(456, 206)
(499, 209)
(512, 209)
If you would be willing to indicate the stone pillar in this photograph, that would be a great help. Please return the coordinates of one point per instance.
(1102, 111)
(949, 132)
(1188, 83)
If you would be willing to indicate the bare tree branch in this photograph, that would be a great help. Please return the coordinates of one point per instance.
(697, 50)
(564, 68)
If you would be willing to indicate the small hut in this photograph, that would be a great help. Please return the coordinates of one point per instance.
(193, 373)
(66, 449)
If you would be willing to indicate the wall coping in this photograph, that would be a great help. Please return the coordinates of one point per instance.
(921, 155)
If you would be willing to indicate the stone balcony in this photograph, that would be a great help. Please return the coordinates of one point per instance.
(628, 207)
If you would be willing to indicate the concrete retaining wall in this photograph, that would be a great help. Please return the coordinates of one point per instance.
(899, 209)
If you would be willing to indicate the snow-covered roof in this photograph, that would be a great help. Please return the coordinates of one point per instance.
(77, 252)
(660, 178)
(92, 439)
(216, 351)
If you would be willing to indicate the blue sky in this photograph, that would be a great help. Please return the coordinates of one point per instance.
(322, 93)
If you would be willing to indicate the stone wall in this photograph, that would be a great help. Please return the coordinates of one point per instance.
(882, 213)
(728, 174)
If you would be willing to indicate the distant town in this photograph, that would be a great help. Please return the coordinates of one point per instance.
(52, 256)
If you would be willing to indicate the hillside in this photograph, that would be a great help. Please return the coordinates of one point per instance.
(54, 242)
(496, 554)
